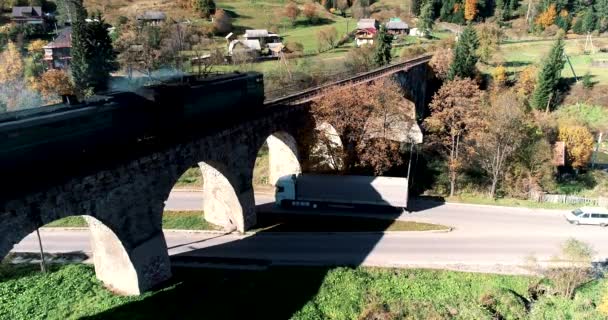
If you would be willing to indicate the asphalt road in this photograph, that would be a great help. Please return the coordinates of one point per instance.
(180, 200)
(484, 239)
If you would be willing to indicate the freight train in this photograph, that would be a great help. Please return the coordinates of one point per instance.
(117, 121)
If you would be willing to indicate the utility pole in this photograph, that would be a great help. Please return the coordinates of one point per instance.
(528, 13)
(42, 260)
(597, 149)
(549, 102)
(409, 171)
(571, 67)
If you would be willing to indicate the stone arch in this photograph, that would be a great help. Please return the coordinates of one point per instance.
(282, 156)
(225, 201)
(122, 268)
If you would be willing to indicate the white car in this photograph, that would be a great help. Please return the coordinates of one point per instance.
(589, 215)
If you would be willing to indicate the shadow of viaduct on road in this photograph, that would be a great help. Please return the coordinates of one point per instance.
(260, 288)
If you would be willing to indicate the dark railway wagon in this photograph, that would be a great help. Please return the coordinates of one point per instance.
(120, 120)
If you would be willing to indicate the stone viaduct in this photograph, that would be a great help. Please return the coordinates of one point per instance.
(123, 203)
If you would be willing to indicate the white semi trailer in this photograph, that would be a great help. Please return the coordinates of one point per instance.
(316, 191)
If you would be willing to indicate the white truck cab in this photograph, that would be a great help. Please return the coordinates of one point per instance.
(285, 189)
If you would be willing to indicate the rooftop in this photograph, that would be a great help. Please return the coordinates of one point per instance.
(396, 24)
(256, 33)
(27, 12)
(63, 40)
(366, 24)
(152, 15)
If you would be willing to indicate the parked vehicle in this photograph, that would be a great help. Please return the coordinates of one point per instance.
(317, 191)
(588, 215)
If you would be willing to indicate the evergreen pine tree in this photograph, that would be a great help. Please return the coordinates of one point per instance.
(499, 10)
(382, 51)
(425, 20)
(101, 56)
(465, 55)
(513, 5)
(601, 8)
(588, 24)
(415, 6)
(447, 10)
(79, 65)
(549, 76)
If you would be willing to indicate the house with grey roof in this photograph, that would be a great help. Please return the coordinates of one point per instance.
(396, 26)
(367, 24)
(152, 17)
(27, 15)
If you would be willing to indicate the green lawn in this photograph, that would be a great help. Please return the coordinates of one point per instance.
(185, 220)
(507, 202)
(520, 55)
(73, 292)
(192, 178)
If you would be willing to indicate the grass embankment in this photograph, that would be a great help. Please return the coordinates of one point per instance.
(520, 55)
(73, 292)
(508, 202)
(193, 220)
(185, 220)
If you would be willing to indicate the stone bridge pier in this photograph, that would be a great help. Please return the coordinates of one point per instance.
(123, 207)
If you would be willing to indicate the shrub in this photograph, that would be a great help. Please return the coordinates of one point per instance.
(504, 304)
(412, 52)
(570, 269)
(587, 81)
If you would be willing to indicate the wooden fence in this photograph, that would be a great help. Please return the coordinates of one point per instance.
(569, 199)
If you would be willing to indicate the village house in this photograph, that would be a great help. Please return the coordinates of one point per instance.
(257, 43)
(262, 35)
(396, 26)
(27, 15)
(153, 18)
(57, 52)
(366, 31)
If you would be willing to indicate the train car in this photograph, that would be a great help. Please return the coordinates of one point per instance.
(116, 121)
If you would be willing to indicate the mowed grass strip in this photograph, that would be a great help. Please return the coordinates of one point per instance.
(267, 222)
(325, 223)
(185, 220)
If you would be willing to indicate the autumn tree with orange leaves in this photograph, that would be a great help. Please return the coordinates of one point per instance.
(54, 83)
(470, 10)
(454, 110)
(579, 144)
(548, 17)
(370, 122)
(291, 12)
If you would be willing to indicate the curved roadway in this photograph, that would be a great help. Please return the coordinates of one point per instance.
(485, 238)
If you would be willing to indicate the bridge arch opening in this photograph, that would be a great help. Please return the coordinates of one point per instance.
(113, 264)
(277, 157)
